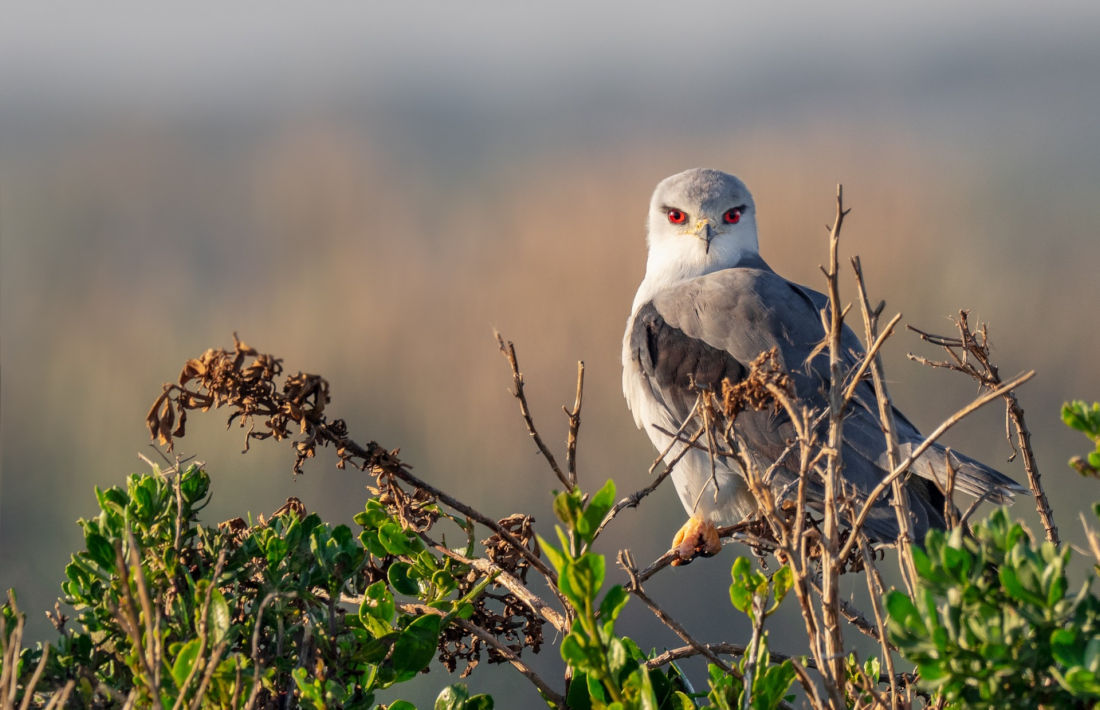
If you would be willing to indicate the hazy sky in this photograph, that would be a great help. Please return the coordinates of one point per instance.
(174, 55)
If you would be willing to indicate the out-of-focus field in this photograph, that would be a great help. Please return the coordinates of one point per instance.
(382, 253)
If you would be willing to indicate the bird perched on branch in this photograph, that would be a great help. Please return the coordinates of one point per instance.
(707, 307)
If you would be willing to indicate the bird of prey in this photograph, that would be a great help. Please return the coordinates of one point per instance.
(707, 307)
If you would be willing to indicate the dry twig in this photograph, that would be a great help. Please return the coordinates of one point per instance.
(509, 351)
(970, 355)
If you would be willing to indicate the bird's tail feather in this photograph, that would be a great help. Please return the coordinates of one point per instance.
(971, 476)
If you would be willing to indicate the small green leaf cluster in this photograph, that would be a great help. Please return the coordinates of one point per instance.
(758, 596)
(994, 625)
(859, 678)
(170, 610)
(751, 589)
(769, 687)
(1086, 419)
(608, 669)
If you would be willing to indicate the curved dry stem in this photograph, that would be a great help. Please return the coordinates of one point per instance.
(951, 421)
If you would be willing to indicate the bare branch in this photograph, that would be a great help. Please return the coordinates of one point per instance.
(834, 643)
(877, 591)
(951, 421)
(855, 617)
(405, 475)
(632, 500)
(872, 352)
(970, 355)
(509, 351)
(626, 561)
(889, 427)
(574, 427)
(508, 581)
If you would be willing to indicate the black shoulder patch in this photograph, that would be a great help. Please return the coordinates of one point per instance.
(673, 360)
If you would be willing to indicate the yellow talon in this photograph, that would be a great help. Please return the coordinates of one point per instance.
(696, 538)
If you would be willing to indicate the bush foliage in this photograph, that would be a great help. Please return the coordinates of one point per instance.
(293, 611)
(174, 613)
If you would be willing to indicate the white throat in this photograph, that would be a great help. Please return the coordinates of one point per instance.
(672, 261)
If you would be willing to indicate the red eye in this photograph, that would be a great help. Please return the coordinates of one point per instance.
(676, 217)
(732, 216)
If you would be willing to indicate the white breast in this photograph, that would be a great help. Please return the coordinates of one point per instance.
(692, 475)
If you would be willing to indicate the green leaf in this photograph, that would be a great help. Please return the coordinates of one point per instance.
(416, 645)
(185, 661)
(376, 650)
(276, 551)
(646, 696)
(394, 539)
(373, 515)
(100, 551)
(745, 584)
(920, 560)
(217, 617)
(369, 540)
(900, 607)
(573, 650)
(585, 576)
(1082, 682)
(1091, 658)
(783, 580)
(481, 701)
(616, 655)
(578, 697)
(567, 507)
(194, 483)
(1063, 647)
(1082, 417)
(143, 501)
(1011, 582)
(401, 705)
(398, 574)
(457, 697)
(378, 603)
(453, 697)
(556, 557)
(613, 603)
(597, 508)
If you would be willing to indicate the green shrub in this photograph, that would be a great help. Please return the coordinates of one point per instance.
(995, 623)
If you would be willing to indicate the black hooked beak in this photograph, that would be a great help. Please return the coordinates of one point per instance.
(704, 231)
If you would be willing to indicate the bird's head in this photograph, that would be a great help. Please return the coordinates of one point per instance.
(699, 221)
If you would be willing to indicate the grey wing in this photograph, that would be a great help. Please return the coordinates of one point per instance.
(971, 476)
(717, 324)
(679, 344)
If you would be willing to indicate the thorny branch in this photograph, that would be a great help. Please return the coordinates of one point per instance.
(969, 354)
(509, 351)
(834, 644)
(574, 416)
(626, 561)
(939, 431)
(889, 426)
(635, 498)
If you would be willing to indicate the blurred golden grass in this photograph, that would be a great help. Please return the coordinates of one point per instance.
(135, 251)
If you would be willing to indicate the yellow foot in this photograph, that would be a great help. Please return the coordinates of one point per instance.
(697, 538)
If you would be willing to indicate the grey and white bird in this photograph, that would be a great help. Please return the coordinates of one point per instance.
(707, 307)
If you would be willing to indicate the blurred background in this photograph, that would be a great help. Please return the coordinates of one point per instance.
(367, 192)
